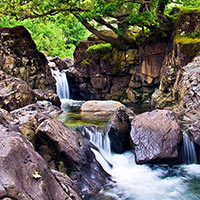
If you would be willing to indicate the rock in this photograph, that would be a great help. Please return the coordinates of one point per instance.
(7, 121)
(188, 110)
(60, 64)
(156, 138)
(20, 58)
(28, 118)
(70, 153)
(24, 174)
(67, 184)
(101, 106)
(178, 54)
(47, 95)
(111, 74)
(119, 128)
(14, 93)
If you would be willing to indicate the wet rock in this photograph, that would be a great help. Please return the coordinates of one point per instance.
(47, 95)
(20, 58)
(156, 138)
(14, 93)
(71, 153)
(23, 172)
(119, 128)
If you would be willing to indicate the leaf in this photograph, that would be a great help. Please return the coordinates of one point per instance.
(36, 175)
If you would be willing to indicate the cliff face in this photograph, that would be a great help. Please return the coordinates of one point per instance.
(101, 72)
(182, 48)
(20, 58)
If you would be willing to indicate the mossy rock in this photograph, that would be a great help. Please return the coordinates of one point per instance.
(99, 49)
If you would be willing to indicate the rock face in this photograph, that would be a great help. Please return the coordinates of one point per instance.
(156, 138)
(14, 93)
(188, 92)
(179, 52)
(112, 74)
(119, 128)
(20, 58)
(24, 174)
(70, 153)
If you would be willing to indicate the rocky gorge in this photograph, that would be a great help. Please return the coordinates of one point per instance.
(51, 161)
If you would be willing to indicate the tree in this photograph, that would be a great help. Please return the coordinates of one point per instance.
(119, 16)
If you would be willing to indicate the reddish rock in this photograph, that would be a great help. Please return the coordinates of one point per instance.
(156, 138)
(23, 172)
(71, 153)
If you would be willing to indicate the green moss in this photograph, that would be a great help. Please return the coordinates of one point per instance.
(85, 62)
(185, 11)
(100, 48)
(186, 40)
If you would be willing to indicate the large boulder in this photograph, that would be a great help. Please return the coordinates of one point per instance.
(106, 107)
(156, 138)
(24, 175)
(119, 128)
(20, 58)
(14, 93)
(69, 152)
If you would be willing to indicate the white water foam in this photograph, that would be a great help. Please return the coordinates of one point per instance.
(140, 182)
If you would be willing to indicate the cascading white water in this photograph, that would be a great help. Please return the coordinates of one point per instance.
(62, 86)
(140, 182)
(189, 150)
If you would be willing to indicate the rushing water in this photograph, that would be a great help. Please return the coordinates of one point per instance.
(189, 150)
(62, 86)
(142, 182)
(129, 180)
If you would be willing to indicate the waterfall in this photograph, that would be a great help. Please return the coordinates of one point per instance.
(136, 182)
(188, 150)
(62, 86)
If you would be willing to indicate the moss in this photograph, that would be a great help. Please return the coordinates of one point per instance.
(99, 49)
(185, 11)
(85, 62)
(186, 40)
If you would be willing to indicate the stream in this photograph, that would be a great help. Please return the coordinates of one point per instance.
(129, 180)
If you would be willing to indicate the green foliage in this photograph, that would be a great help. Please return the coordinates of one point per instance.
(117, 15)
(186, 40)
(99, 48)
(56, 36)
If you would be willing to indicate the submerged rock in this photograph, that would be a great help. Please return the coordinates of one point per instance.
(119, 128)
(156, 138)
